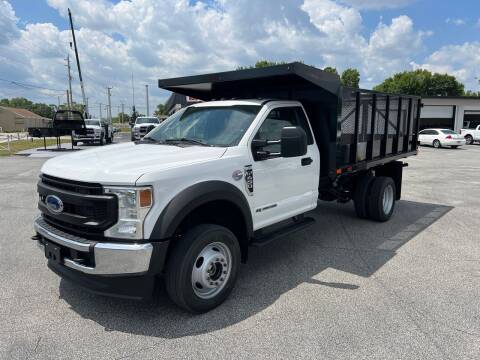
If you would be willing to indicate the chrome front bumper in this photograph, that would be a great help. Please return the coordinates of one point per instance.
(109, 258)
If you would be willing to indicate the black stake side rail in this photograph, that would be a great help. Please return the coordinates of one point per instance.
(395, 138)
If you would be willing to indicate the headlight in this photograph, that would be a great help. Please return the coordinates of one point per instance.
(97, 131)
(133, 206)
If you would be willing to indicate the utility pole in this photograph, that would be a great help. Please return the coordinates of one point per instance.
(148, 107)
(70, 99)
(78, 63)
(109, 105)
(100, 110)
(58, 103)
(122, 114)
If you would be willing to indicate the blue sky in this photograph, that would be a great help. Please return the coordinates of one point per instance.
(164, 38)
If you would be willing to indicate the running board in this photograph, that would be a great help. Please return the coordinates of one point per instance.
(267, 238)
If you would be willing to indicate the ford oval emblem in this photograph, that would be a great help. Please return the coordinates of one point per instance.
(54, 204)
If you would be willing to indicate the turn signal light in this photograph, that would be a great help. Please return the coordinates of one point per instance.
(145, 197)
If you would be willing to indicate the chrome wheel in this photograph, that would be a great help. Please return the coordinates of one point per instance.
(211, 270)
(388, 199)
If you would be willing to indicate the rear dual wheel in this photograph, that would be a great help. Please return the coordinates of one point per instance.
(375, 198)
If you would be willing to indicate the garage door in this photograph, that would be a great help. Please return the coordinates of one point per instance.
(471, 119)
(437, 116)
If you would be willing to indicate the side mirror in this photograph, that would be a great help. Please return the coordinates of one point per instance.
(294, 142)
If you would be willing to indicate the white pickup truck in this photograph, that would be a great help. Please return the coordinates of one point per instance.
(471, 133)
(143, 125)
(97, 131)
(185, 203)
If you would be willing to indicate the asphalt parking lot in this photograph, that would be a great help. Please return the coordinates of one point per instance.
(344, 288)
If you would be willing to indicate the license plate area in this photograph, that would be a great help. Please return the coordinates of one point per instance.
(53, 252)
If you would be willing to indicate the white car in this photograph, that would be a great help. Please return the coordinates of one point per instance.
(143, 125)
(440, 137)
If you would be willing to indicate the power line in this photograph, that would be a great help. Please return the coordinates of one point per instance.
(29, 86)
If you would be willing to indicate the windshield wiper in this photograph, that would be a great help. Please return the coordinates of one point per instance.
(189, 140)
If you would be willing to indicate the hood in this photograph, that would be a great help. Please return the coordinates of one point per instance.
(123, 164)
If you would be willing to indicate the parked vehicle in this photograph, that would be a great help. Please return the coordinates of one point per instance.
(143, 125)
(65, 122)
(471, 132)
(440, 137)
(98, 131)
(187, 201)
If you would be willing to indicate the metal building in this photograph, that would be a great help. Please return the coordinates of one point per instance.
(449, 112)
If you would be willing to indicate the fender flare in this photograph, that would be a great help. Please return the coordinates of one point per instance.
(194, 196)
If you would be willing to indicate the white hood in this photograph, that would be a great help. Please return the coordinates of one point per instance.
(123, 164)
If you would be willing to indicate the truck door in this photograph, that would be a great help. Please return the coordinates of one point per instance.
(284, 187)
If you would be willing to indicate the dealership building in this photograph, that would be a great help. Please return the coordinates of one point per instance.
(450, 112)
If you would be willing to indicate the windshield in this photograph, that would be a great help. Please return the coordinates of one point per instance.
(145, 120)
(213, 126)
(446, 131)
(92, 122)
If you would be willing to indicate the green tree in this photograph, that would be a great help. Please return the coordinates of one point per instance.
(23, 103)
(121, 117)
(422, 83)
(471, 93)
(161, 110)
(331, 70)
(351, 77)
(264, 63)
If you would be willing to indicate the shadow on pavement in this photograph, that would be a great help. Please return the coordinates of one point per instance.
(337, 240)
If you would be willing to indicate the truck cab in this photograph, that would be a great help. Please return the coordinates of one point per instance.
(97, 131)
(143, 125)
(186, 202)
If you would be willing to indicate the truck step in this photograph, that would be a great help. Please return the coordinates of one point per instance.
(267, 237)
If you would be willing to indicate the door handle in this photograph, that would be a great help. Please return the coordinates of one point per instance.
(306, 161)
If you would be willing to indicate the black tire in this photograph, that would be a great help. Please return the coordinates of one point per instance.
(436, 144)
(102, 141)
(454, 146)
(360, 196)
(182, 259)
(469, 139)
(376, 208)
(74, 143)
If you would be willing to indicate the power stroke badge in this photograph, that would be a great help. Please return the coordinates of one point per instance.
(247, 170)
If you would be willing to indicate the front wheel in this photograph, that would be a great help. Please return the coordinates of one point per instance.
(102, 141)
(469, 139)
(202, 268)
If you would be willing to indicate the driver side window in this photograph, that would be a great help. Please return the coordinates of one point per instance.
(277, 119)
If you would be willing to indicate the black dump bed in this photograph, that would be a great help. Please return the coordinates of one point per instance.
(355, 129)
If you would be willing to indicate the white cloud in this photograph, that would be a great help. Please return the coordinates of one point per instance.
(457, 22)
(458, 60)
(8, 23)
(155, 39)
(378, 4)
